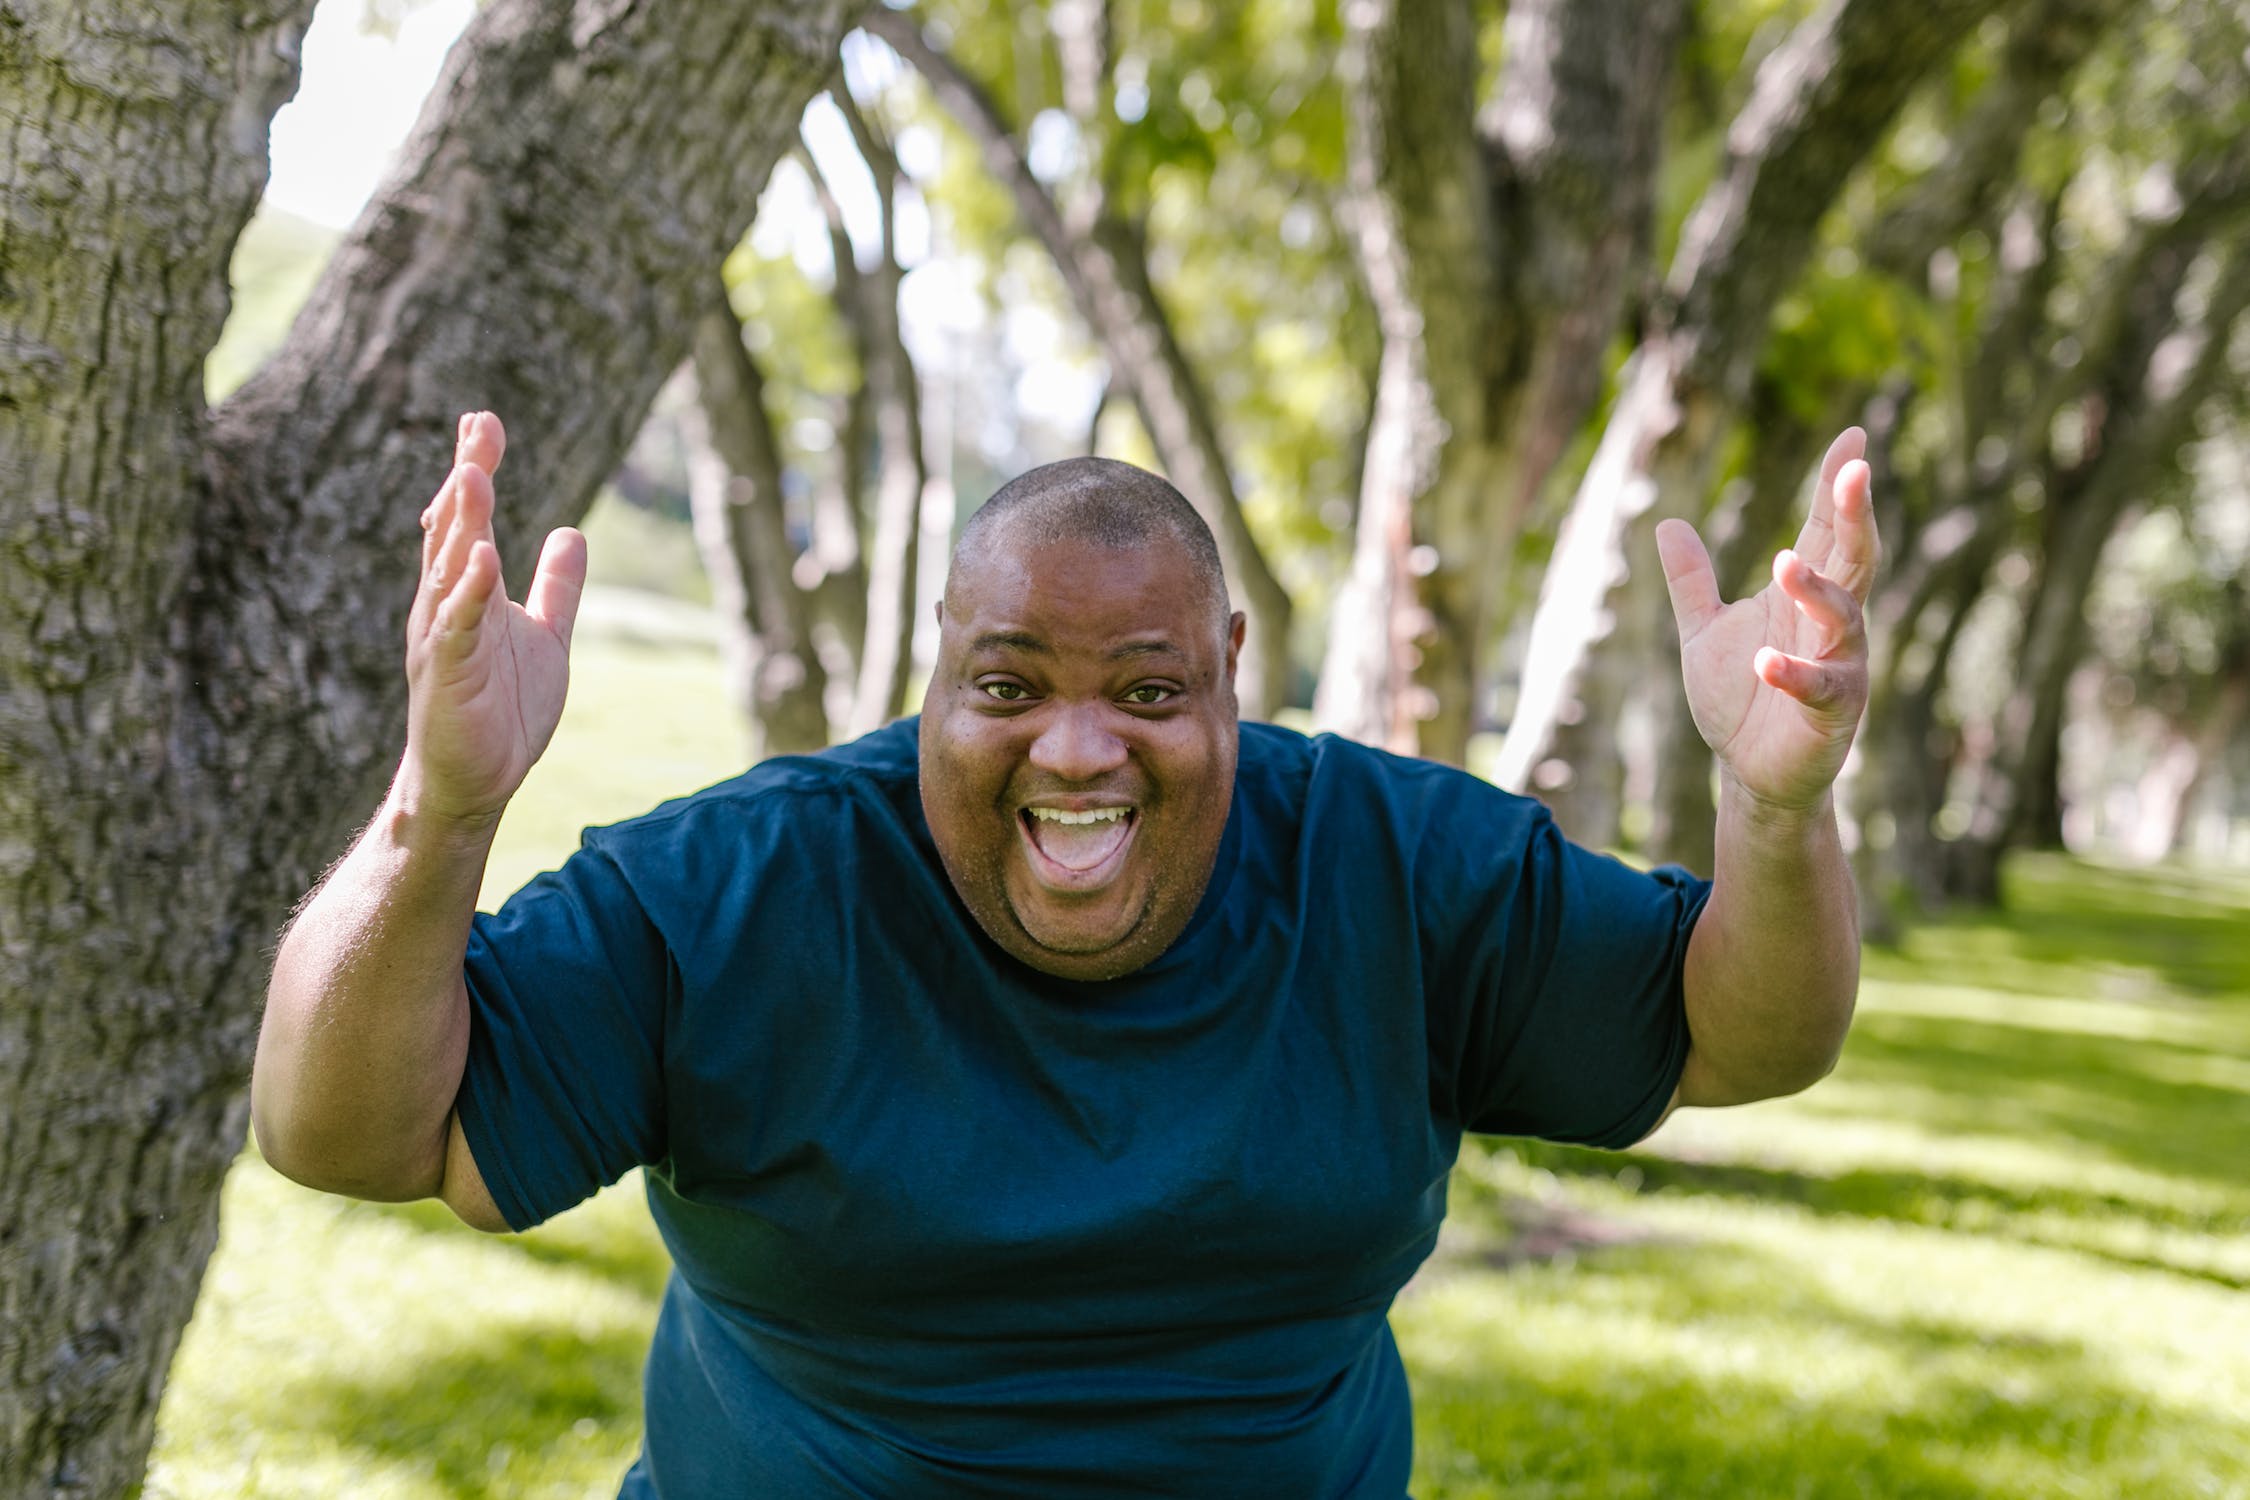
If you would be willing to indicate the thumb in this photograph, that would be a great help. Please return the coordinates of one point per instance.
(559, 582)
(1688, 576)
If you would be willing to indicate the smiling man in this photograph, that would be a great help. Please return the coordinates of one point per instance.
(1078, 740)
(1048, 1097)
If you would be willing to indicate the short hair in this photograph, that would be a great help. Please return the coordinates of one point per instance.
(1096, 500)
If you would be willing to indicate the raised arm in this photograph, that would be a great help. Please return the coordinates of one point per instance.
(367, 1015)
(1777, 683)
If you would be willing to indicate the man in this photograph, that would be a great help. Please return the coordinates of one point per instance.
(1048, 1097)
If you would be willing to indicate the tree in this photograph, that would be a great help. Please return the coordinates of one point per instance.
(734, 491)
(199, 667)
(1499, 246)
(2075, 342)
(1101, 255)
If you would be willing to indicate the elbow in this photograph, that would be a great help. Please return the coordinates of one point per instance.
(1801, 1073)
(1774, 1070)
(1803, 1061)
(1813, 1057)
(349, 1161)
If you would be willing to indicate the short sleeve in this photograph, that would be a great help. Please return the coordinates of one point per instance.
(569, 985)
(1572, 1023)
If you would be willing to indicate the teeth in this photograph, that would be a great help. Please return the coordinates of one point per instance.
(1097, 815)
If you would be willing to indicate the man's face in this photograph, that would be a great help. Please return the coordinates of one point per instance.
(1078, 748)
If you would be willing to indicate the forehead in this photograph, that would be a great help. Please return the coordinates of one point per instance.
(1070, 589)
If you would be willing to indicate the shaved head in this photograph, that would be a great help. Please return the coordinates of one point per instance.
(1098, 502)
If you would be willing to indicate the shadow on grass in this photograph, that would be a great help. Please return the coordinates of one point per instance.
(2186, 930)
(465, 1417)
(1927, 1199)
(1760, 1385)
(2118, 1098)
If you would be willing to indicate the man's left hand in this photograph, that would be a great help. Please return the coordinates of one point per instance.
(1777, 681)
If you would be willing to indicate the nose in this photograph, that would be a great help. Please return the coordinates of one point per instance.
(1074, 744)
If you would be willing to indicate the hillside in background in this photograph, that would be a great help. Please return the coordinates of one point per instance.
(276, 262)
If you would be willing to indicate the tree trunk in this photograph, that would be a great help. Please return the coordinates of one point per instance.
(124, 961)
(200, 685)
(1820, 104)
(886, 661)
(1497, 251)
(2030, 724)
(2138, 413)
(1906, 754)
(734, 492)
(1106, 272)
(833, 567)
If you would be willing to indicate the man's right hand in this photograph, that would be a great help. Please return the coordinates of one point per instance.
(485, 676)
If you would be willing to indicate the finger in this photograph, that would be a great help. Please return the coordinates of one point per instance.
(559, 583)
(464, 608)
(1813, 538)
(481, 440)
(472, 490)
(1858, 551)
(437, 518)
(1834, 611)
(1688, 576)
(1826, 687)
(470, 523)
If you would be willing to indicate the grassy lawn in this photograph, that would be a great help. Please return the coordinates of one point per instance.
(2002, 1253)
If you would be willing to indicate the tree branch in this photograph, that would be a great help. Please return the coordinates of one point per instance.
(543, 249)
(1107, 277)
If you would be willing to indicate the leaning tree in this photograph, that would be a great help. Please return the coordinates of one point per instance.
(201, 610)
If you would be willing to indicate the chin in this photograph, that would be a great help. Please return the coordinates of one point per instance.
(1109, 963)
(1070, 950)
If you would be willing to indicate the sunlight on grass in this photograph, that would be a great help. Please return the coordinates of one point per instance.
(2002, 1253)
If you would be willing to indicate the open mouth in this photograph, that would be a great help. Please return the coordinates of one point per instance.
(1077, 849)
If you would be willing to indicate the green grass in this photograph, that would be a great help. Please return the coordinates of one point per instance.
(276, 262)
(2002, 1253)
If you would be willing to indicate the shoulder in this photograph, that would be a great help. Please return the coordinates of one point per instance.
(786, 800)
(1341, 785)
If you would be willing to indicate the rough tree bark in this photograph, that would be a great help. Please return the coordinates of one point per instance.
(1497, 247)
(735, 496)
(1820, 103)
(1102, 264)
(200, 616)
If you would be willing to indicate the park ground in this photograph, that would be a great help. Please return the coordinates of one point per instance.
(2001, 1254)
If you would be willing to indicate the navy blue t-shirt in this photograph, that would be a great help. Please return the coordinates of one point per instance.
(943, 1225)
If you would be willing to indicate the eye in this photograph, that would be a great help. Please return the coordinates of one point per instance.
(1149, 694)
(1005, 692)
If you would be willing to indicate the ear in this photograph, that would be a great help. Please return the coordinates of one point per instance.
(1236, 629)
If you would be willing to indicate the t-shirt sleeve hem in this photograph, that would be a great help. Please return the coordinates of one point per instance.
(1643, 1120)
(500, 1180)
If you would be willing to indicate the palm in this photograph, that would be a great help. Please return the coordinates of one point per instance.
(486, 676)
(1782, 724)
(505, 698)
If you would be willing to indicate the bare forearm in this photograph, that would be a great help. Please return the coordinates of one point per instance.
(367, 1026)
(1773, 968)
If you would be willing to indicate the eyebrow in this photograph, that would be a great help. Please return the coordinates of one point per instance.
(1024, 641)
